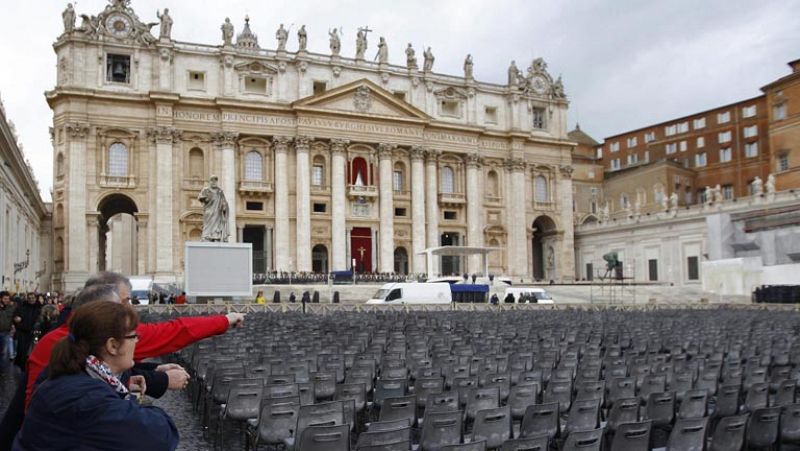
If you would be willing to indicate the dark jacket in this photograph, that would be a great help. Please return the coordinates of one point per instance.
(6, 318)
(29, 314)
(77, 412)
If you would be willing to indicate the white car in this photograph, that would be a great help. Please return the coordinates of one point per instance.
(541, 296)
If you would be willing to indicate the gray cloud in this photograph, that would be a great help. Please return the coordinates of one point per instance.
(625, 63)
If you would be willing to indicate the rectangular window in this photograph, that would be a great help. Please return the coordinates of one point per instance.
(751, 190)
(397, 180)
(490, 114)
(614, 147)
(633, 158)
(254, 206)
(451, 108)
(692, 268)
(701, 142)
(751, 131)
(727, 192)
(319, 87)
(589, 272)
(197, 81)
(317, 175)
(538, 118)
(723, 118)
(320, 207)
(118, 68)
(783, 162)
(255, 85)
(671, 148)
(751, 150)
(670, 130)
(615, 164)
(646, 156)
(779, 112)
(652, 269)
(725, 154)
(749, 111)
(400, 212)
(632, 142)
(683, 146)
(649, 137)
(700, 160)
(683, 127)
(724, 137)
(450, 215)
(699, 123)
(599, 153)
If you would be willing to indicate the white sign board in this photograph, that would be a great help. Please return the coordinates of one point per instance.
(214, 269)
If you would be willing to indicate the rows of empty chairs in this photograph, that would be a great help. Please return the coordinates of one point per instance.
(539, 380)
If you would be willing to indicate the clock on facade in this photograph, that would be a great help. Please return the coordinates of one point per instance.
(539, 84)
(118, 25)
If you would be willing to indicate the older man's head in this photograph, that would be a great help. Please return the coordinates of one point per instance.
(121, 283)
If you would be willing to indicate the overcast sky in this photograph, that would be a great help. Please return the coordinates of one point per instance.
(625, 63)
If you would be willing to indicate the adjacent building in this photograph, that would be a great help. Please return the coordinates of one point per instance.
(783, 104)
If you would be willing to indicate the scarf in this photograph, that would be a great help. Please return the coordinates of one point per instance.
(99, 370)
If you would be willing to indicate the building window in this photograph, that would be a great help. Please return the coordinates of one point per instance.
(254, 206)
(725, 155)
(751, 131)
(490, 114)
(615, 164)
(541, 193)
(646, 156)
(683, 146)
(319, 87)
(751, 150)
(649, 137)
(749, 111)
(450, 215)
(317, 175)
(692, 268)
(197, 81)
(699, 123)
(652, 269)
(700, 160)
(671, 148)
(724, 137)
(624, 203)
(751, 190)
(683, 127)
(401, 212)
(702, 195)
(701, 142)
(255, 85)
(727, 192)
(538, 118)
(253, 166)
(397, 180)
(670, 130)
(196, 163)
(633, 158)
(320, 207)
(599, 153)
(614, 147)
(451, 108)
(118, 68)
(118, 160)
(783, 162)
(448, 180)
(632, 142)
(779, 112)
(723, 118)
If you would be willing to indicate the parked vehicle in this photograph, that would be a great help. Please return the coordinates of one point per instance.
(141, 289)
(413, 293)
(528, 295)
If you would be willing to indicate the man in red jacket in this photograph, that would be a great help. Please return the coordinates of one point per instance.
(155, 339)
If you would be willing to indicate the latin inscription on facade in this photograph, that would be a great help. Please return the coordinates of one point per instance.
(353, 126)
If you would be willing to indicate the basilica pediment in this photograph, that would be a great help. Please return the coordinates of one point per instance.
(364, 98)
(255, 67)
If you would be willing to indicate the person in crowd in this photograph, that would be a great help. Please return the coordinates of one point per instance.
(48, 319)
(83, 404)
(260, 299)
(181, 298)
(6, 328)
(25, 317)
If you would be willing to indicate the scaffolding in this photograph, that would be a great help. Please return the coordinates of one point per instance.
(607, 288)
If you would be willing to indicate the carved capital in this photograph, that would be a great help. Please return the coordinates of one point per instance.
(339, 145)
(386, 150)
(515, 164)
(225, 139)
(473, 160)
(281, 143)
(302, 142)
(432, 155)
(417, 152)
(566, 170)
(77, 130)
(164, 134)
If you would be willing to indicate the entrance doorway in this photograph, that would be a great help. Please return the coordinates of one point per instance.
(361, 248)
(255, 236)
(543, 257)
(319, 259)
(451, 264)
(400, 261)
(117, 234)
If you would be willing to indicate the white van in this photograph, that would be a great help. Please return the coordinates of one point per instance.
(412, 293)
(541, 296)
(141, 288)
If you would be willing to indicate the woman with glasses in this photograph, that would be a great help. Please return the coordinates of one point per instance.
(85, 403)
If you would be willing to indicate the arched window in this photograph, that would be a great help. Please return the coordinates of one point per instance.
(318, 171)
(398, 177)
(196, 163)
(541, 193)
(60, 164)
(118, 160)
(492, 184)
(253, 166)
(448, 180)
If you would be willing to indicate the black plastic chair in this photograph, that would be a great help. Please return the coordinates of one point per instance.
(790, 424)
(729, 433)
(325, 438)
(493, 426)
(688, 434)
(521, 396)
(540, 443)
(762, 427)
(276, 423)
(584, 415)
(694, 405)
(727, 401)
(392, 440)
(584, 441)
(400, 408)
(541, 419)
(442, 402)
(632, 436)
(625, 410)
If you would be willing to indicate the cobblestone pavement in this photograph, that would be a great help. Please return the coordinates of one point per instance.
(179, 407)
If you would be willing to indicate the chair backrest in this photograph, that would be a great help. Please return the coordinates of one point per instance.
(325, 438)
(590, 389)
(244, 402)
(559, 391)
(356, 392)
(441, 429)
(540, 443)
(660, 408)
(694, 404)
(471, 446)
(380, 426)
(423, 386)
(785, 392)
(762, 427)
(583, 415)
(541, 419)
(391, 440)
(521, 396)
(400, 408)
(584, 440)
(281, 390)
(688, 434)
(790, 423)
(492, 425)
(322, 414)
(389, 388)
(727, 401)
(624, 410)
(633, 436)
(729, 433)
(442, 402)
(277, 422)
(481, 398)
(621, 387)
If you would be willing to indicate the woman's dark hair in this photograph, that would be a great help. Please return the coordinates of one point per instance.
(90, 327)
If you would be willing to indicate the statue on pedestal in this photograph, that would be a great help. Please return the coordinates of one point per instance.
(166, 24)
(411, 57)
(227, 32)
(468, 67)
(513, 74)
(383, 52)
(69, 18)
(215, 211)
(282, 35)
(718, 194)
(673, 201)
(428, 63)
(757, 186)
(771, 184)
(335, 43)
(361, 42)
(664, 202)
(302, 38)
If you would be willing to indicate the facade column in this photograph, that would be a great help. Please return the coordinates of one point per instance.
(432, 203)
(93, 230)
(417, 210)
(281, 237)
(566, 263)
(474, 212)
(303, 195)
(268, 248)
(141, 242)
(338, 205)
(227, 179)
(75, 239)
(386, 263)
(517, 236)
(164, 137)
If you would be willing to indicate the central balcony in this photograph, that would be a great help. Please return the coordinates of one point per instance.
(254, 187)
(362, 191)
(452, 199)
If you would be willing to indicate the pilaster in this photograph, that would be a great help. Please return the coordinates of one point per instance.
(303, 195)
(281, 237)
(432, 202)
(163, 137)
(77, 264)
(517, 249)
(226, 141)
(338, 205)
(386, 263)
(474, 210)
(418, 209)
